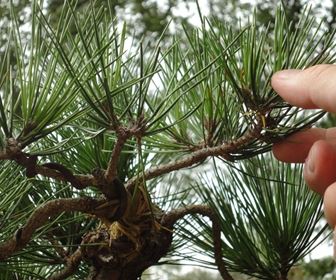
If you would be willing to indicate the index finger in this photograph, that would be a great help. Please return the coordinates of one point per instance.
(296, 147)
(312, 88)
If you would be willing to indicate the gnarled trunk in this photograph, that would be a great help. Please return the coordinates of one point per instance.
(121, 258)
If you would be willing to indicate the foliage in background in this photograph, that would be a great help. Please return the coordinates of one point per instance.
(268, 214)
(77, 95)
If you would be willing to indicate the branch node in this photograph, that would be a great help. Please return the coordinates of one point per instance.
(28, 162)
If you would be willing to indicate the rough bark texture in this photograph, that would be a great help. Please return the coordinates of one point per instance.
(119, 259)
(134, 233)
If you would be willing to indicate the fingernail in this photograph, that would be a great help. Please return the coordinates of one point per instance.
(286, 74)
(310, 162)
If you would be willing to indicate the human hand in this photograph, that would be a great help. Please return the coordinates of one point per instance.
(312, 88)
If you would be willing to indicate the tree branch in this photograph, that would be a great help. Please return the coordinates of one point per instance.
(224, 150)
(172, 217)
(13, 151)
(111, 171)
(60, 172)
(123, 134)
(4, 155)
(42, 214)
(83, 180)
(72, 263)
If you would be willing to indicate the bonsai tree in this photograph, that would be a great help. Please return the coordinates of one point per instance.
(99, 135)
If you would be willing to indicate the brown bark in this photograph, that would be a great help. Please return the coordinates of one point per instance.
(119, 260)
(143, 239)
(71, 266)
(41, 216)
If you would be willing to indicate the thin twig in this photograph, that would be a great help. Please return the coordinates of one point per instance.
(172, 217)
(72, 263)
(42, 214)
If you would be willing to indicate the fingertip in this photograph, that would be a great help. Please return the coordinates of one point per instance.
(280, 152)
(277, 83)
(289, 85)
(319, 169)
(330, 204)
(277, 151)
(283, 76)
(310, 88)
(290, 151)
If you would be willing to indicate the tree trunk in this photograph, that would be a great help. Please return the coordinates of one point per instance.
(119, 260)
(104, 274)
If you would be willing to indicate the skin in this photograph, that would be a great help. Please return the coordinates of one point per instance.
(312, 88)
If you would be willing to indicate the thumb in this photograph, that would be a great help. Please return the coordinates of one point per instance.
(312, 88)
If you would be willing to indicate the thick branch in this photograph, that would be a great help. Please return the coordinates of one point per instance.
(123, 134)
(71, 266)
(172, 217)
(53, 208)
(84, 180)
(111, 190)
(4, 155)
(13, 151)
(111, 171)
(60, 172)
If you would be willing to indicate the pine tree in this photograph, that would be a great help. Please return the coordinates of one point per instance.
(99, 134)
